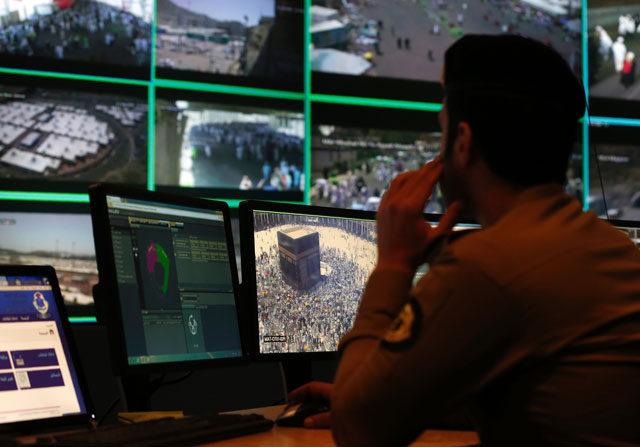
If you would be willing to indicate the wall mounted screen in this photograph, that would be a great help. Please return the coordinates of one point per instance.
(71, 135)
(234, 149)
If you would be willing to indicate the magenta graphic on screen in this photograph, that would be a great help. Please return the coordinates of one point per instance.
(157, 255)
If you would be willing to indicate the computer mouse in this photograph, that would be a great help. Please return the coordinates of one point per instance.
(294, 415)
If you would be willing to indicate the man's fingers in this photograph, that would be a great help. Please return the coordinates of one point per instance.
(422, 185)
(416, 185)
(449, 219)
(409, 178)
(399, 181)
(311, 391)
(320, 420)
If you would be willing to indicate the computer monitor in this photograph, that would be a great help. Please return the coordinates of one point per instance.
(304, 271)
(168, 281)
(63, 135)
(213, 145)
(56, 234)
(41, 380)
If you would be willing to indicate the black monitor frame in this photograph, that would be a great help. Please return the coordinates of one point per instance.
(618, 223)
(82, 419)
(106, 294)
(249, 286)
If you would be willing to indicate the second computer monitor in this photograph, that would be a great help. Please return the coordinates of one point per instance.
(304, 271)
(168, 278)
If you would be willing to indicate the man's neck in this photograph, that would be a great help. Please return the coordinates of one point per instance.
(493, 201)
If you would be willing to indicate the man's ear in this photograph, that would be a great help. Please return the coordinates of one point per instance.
(462, 148)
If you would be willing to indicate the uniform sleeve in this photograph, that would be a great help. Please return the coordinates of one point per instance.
(413, 356)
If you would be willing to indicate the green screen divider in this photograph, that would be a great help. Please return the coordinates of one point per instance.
(79, 77)
(83, 320)
(235, 203)
(375, 102)
(151, 140)
(630, 122)
(44, 196)
(228, 89)
(307, 102)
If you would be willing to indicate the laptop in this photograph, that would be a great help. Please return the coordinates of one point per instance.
(42, 387)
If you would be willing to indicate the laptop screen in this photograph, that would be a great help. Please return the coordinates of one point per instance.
(37, 376)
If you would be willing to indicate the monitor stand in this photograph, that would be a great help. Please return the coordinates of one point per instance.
(296, 373)
(135, 392)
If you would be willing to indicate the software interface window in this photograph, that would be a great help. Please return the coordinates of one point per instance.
(174, 282)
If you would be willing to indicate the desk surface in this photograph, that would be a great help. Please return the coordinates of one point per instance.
(296, 437)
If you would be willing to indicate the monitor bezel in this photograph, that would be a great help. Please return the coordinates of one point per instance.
(621, 223)
(62, 209)
(107, 297)
(249, 286)
(81, 419)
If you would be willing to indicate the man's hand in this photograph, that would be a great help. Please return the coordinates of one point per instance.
(403, 234)
(313, 391)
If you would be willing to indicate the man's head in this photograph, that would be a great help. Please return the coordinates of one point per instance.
(516, 102)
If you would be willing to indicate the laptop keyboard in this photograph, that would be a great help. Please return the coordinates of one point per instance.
(187, 431)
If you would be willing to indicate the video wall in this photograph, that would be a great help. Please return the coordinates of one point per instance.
(311, 101)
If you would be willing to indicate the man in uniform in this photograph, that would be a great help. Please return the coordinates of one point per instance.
(531, 323)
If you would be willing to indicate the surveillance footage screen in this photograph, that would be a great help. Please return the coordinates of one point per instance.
(208, 145)
(352, 167)
(97, 31)
(407, 38)
(71, 136)
(619, 163)
(239, 37)
(310, 275)
(62, 240)
(614, 44)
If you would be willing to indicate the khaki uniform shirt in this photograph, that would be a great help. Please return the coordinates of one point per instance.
(533, 324)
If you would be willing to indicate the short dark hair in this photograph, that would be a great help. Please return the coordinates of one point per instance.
(521, 101)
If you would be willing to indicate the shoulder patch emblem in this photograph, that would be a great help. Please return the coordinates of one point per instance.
(405, 328)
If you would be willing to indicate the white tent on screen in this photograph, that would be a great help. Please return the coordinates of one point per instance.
(328, 60)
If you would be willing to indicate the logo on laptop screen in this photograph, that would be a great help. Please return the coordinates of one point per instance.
(41, 305)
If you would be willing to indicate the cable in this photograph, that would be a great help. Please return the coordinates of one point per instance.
(595, 154)
(174, 381)
(108, 410)
(284, 383)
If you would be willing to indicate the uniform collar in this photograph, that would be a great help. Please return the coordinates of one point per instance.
(538, 192)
